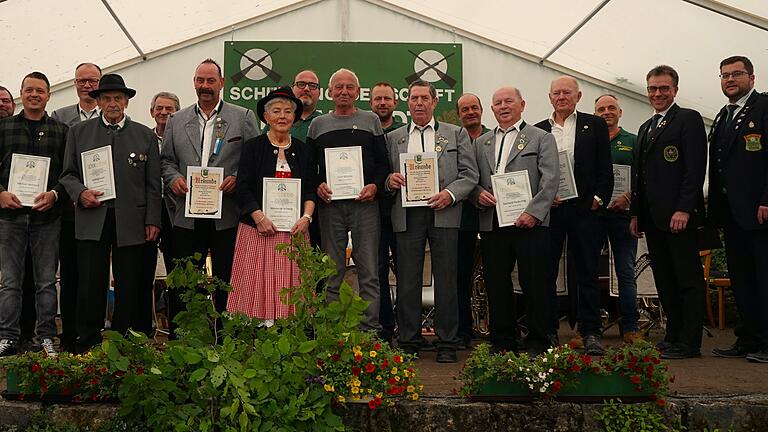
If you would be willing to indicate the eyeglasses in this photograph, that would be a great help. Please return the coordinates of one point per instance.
(304, 84)
(662, 89)
(83, 82)
(734, 74)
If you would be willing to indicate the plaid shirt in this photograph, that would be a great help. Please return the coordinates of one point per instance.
(50, 141)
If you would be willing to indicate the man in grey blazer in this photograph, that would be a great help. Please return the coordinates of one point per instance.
(438, 222)
(87, 77)
(516, 146)
(125, 225)
(209, 133)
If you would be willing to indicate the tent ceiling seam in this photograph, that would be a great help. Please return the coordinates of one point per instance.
(731, 12)
(574, 30)
(125, 30)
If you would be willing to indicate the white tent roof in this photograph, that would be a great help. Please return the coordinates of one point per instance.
(614, 42)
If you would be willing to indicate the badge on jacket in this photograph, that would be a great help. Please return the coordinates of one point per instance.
(753, 142)
(670, 153)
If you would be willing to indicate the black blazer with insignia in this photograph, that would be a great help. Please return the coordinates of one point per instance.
(739, 163)
(669, 168)
(593, 169)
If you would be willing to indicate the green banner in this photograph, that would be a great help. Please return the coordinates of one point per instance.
(253, 68)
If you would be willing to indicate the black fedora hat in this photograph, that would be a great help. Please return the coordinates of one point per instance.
(112, 82)
(284, 92)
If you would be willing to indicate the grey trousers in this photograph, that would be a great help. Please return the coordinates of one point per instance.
(361, 219)
(43, 242)
(443, 245)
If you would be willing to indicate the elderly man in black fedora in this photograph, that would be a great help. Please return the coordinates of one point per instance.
(121, 216)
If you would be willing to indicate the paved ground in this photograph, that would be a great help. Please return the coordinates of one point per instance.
(707, 375)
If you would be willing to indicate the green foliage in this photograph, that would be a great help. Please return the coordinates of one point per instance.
(256, 378)
(618, 417)
(41, 423)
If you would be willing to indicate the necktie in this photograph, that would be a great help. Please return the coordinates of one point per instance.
(731, 110)
(422, 138)
(655, 122)
(501, 145)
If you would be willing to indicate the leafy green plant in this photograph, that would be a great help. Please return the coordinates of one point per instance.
(618, 417)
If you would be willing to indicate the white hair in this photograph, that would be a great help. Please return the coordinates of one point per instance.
(340, 71)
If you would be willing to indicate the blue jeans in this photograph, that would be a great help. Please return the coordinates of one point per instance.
(624, 248)
(43, 242)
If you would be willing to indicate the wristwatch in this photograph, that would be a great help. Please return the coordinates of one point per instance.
(309, 218)
(599, 201)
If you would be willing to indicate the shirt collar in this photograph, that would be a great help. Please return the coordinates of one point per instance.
(120, 124)
(215, 111)
(552, 118)
(515, 126)
(743, 101)
(430, 124)
(89, 114)
(664, 113)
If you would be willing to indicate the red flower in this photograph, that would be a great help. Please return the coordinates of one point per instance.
(635, 379)
(556, 386)
(377, 346)
(647, 359)
(59, 372)
(94, 397)
(571, 359)
(355, 371)
(576, 367)
(35, 368)
(370, 368)
(94, 381)
(392, 381)
(358, 357)
(384, 364)
(586, 359)
(621, 357)
(661, 402)
(572, 345)
(65, 391)
(372, 404)
(335, 357)
(397, 359)
(139, 371)
(655, 360)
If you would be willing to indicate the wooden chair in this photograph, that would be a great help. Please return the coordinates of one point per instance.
(707, 255)
(718, 283)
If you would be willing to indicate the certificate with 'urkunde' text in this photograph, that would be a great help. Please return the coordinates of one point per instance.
(421, 178)
(204, 197)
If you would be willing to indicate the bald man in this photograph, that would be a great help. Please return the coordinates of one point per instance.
(583, 139)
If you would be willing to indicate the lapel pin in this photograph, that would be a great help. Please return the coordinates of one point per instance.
(520, 146)
(586, 127)
(751, 124)
(132, 155)
(438, 148)
(274, 151)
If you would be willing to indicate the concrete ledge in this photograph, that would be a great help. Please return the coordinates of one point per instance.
(446, 414)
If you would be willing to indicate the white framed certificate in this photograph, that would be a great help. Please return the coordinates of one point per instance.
(512, 191)
(281, 201)
(567, 188)
(28, 177)
(203, 201)
(422, 179)
(99, 171)
(344, 171)
(621, 180)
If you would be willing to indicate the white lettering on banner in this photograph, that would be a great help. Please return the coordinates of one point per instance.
(254, 93)
(248, 93)
(365, 94)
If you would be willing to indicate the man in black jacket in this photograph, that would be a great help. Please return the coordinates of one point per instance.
(738, 202)
(668, 205)
(583, 139)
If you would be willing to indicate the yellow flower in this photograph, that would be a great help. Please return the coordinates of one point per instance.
(406, 373)
(370, 391)
(393, 371)
(397, 378)
(328, 388)
(415, 396)
(356, 383)
(379, 395)
(357, 349)
(341, 399)
(378, 377)
(410, 389)
(355, 390)
(372, 354)
(421, 387)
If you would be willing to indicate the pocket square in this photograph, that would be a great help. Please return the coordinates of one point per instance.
(237, 138)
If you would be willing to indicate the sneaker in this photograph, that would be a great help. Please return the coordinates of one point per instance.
(734, 351)
(48, 348)
(632, 337)
(577, 341)
(759, 356)
(592, 346)
(7, 348)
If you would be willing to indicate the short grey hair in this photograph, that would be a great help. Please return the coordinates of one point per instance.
(167, 95)
(340, 71)
(280, 99)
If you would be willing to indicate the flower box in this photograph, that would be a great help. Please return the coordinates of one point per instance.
(590, 386)
(502, 392)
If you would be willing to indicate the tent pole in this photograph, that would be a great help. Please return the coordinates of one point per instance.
(574, 30)
(125, 31)
(731, 12)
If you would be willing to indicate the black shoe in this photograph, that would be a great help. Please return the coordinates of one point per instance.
(664, 345)
(446, 356)
(7, 348)
(592, 346)
(734, 351)
(759, 356)
(680, 352)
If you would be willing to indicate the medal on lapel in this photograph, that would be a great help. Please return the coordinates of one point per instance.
(440, 142)
(219, 136)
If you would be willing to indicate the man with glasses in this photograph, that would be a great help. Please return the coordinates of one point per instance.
(87, 77)
(306, 86)
(738, 202)
(668, 205)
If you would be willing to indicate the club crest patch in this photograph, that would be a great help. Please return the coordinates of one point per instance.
(752, 142)
(670, 153)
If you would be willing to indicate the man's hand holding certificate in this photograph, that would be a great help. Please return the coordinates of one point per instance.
(204, 198)
(512, 193)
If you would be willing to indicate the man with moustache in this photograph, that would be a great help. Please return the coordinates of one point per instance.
(437, 223)
(614, 220)
(738, 202)
(87, 76)
(383, 104)
(208, 133)
(584, 138)
(470, 112)
(516, 146)
(668, 205)
(306, 87)
(32, 228)
(347, 126)
(7, 105)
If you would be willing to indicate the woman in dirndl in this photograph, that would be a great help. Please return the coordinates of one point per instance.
(259, 272)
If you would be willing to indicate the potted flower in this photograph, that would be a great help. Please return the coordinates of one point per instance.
(66, 377)
(363, 369)
(633, 372)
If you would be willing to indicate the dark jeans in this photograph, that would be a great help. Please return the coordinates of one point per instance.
(42, 240)
(204, 237)
(387, 244)
(624, 248)
(28, 318)
(582, 228)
